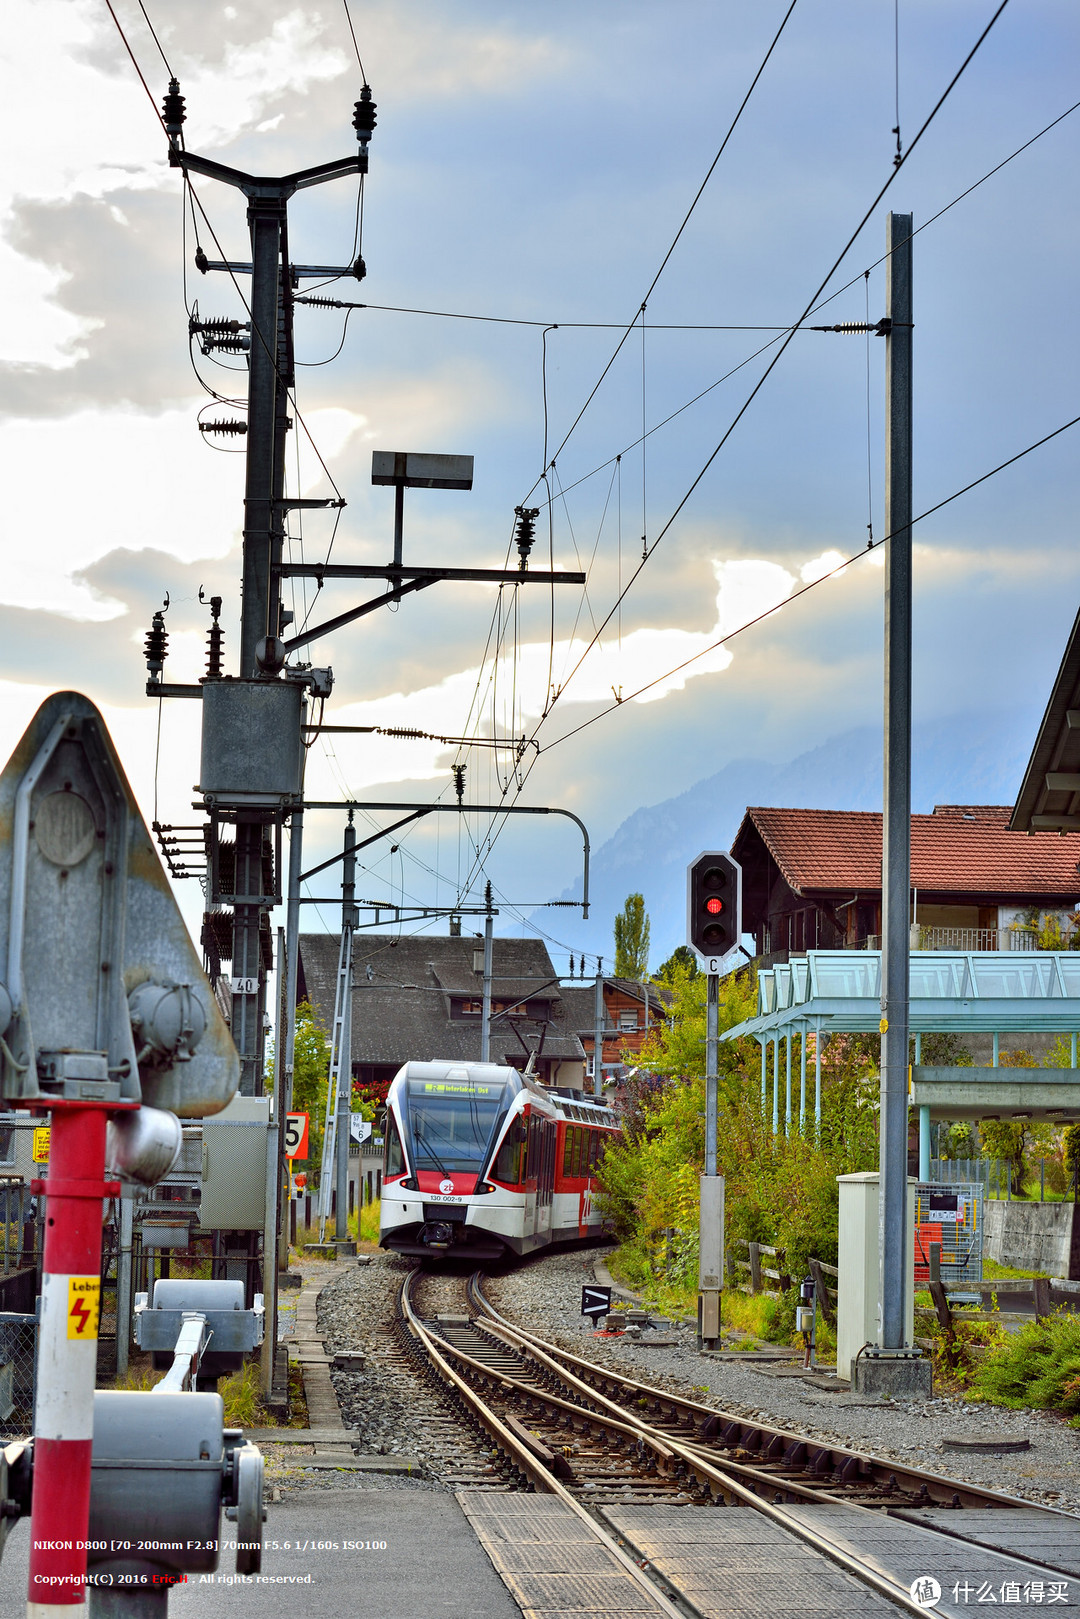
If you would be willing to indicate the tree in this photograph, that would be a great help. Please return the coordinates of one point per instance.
(311, 1074)
(682, 958)
(632, 939)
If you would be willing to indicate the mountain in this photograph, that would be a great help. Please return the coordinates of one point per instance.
(961, 759)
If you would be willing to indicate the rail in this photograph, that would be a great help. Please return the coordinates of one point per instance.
(721, 1481)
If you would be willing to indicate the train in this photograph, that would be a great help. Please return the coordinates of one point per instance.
(482, 1163)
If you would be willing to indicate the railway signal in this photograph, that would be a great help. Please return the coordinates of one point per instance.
(713, 906)
(595, 1301)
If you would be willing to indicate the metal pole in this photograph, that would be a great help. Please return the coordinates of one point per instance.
(123, 1284)
(349, 920)
(292, 949)
(485, 1005)
(787, 1092)
(896, 844)
(924, 1124)
(712, 1032)
(598, 1030)
(802, 1080)
(764, 1077)
(817, 1084)
(776, 1085)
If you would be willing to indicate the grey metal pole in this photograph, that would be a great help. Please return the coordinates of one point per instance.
(712, 1033)
(896, 845)
(802, 1080)
(292, 949)
(817, 1084)
(123, 1285)
(764, 1076)
(259, 614)
(787, 1091)
(776, 1085)
(349, 920)
(598, 1031)
(485, 1005)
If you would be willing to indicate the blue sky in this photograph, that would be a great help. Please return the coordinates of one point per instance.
(535, 163)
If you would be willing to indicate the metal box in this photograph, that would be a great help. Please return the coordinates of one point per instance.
(858, 1317)
(234, 1166)
(251, 750)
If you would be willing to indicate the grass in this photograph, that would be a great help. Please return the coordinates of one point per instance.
(363, 1229)
(993, 1272)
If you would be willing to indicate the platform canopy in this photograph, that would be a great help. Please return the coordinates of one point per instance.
(963, 992)
(969, 992)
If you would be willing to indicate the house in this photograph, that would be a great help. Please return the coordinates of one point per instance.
(812, 878)
(421, 998)
(631, 1011)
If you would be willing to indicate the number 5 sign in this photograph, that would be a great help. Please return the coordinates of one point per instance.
(296, 1135)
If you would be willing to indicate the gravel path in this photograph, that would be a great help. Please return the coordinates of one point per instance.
(394, 1410)
(545, 1297)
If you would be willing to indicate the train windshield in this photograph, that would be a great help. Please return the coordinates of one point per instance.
(452, 1122)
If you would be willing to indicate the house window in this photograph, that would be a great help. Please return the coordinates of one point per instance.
(471, 1008)
(628, 1020)
(7, 1138)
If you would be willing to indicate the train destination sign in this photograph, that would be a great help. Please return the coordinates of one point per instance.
(440, 1087)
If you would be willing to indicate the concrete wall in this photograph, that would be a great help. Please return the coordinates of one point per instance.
(1032, 1236)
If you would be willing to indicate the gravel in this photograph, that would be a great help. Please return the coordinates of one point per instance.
(395, 1412)
(544, 1296)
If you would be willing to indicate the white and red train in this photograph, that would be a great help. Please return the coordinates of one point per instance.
(481, 1161)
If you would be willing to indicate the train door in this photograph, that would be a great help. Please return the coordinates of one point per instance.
(530, 1178)
(545, 1176)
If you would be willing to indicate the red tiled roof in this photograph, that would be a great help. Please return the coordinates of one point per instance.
(959, 849)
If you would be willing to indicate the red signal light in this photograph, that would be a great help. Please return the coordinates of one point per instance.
(714, 906)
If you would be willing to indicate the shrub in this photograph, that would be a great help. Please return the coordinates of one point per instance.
(1037, 1366)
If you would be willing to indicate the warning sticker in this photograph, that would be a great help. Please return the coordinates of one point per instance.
(42, 1134)
(84, 1301)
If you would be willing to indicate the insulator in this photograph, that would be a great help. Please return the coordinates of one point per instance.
(216, 323)
(172, 110)
(227, 343)
(321, 303)
(156, 645)
(364, 116)
(403, 733)
(459, 782)
(214, 641)
(223, 427)
(526, 530)
(359, 269)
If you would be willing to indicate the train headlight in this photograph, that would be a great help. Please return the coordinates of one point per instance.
(481, 1187)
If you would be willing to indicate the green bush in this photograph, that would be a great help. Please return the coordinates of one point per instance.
(1037, 1366)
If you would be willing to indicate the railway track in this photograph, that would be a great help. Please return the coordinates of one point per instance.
(559, 1424)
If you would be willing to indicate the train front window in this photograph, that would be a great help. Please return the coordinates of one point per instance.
(451, 1123)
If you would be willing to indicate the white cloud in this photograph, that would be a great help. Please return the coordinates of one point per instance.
(510, 699)
(83, 485)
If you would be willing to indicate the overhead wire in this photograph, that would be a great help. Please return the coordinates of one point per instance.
(679, 233)
(784, 343)
(770, 612)
(787, 339)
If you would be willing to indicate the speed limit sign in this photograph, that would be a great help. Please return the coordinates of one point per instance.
(296, 1135)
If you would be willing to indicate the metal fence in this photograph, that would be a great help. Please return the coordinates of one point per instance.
(950, 1214)
(18, 1355)
(992, 1174)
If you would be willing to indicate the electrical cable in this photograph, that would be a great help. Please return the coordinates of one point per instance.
(157, 42)
(813, 584)
(356, 48)
(678, 234)
(787, 339)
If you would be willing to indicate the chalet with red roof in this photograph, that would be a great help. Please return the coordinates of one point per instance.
(812, 879)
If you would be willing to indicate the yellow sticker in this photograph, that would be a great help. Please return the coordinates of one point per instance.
(41, 1144)
(884, 1025)
(84, 1302)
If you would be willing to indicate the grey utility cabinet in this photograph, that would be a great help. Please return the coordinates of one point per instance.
(234, 1165)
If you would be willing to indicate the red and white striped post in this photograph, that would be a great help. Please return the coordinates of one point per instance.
(67, 1358)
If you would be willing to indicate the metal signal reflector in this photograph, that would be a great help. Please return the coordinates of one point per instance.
(714, 893)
